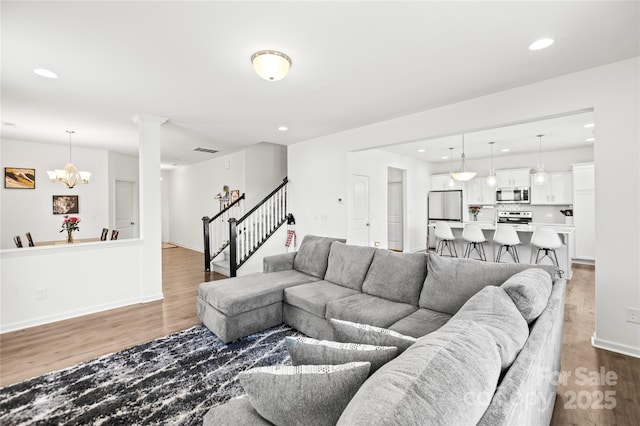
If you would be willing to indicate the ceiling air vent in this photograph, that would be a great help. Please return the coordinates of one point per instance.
(210, 151)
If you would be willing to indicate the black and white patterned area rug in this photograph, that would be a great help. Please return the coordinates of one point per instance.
(173, 380)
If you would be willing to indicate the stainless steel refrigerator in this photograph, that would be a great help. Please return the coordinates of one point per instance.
(443, 205)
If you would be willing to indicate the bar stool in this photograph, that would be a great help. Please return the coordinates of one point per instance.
(474, 237)
(508, 239)
(445, 235)
(547, 240)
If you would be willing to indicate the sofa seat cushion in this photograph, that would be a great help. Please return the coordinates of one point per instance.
(396, 276)
(440, 380)
(365, 309)
(313, 256)
(348, 265)
(421, 323)
(451, 281)
(241, 294)
(313, 297)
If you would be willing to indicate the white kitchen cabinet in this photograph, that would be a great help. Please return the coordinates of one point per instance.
(511, 178)
(584, 206)
(478, 192)
(557, 190)
(441, 183)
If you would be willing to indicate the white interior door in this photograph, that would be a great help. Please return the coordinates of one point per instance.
(394, 215)
(360, 210)
(125, 218)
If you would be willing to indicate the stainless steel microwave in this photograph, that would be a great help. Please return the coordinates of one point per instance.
(513, 195)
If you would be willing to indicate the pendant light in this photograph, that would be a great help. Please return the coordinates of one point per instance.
(540, 177)
(69, 176)
(492, 179)
(463, 175)
(451, 183)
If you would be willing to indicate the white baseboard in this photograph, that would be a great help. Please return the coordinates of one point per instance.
(5, 328)
(615, 347)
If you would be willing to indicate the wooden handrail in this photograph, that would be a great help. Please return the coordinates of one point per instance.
(223, 211)
(264, 200)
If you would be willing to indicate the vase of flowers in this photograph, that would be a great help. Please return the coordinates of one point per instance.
(70, 224)
(474, 210)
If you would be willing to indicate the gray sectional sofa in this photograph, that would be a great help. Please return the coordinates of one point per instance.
(416, 295)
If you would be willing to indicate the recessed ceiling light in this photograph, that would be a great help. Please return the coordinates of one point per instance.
(541, 44)
(590, 139)
(505, 150)
(444, 157)
(283, 128)
(45, 73)
(588, 126)
(421, 150)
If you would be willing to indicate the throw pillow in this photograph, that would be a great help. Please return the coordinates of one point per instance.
(451, 281)
(304, 350)
(530, 291)
(313, 256)
(346, 331)
(304, 394)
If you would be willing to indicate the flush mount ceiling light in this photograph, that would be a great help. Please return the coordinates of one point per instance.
(69, 176)
(540, 177)
(45, 73)
(492, 179)
(462, 174)
(271, 64)
(543, 43)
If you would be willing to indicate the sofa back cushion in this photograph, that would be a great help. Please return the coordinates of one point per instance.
(446, 378)
(313, 255)
(530, 291)
(348, 265)
(451, 281)
(396, 276)
(493, 309)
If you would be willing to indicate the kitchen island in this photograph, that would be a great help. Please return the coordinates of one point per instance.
(526, 251)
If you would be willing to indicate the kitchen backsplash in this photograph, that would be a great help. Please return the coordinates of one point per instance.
(541, 214)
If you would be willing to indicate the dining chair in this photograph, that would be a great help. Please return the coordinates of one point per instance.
(105, 232)
(18, 241)
(114, 234)
(30, 240)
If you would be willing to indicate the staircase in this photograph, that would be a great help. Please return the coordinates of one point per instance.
(244, 236)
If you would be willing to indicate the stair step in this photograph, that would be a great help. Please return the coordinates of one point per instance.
(222, 267)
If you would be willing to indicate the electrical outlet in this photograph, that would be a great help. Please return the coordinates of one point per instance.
(41, 294)
(633, 315)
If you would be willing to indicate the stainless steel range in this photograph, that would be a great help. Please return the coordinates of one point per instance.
(517, 217)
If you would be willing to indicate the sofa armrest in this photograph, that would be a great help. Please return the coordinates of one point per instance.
(278, 262)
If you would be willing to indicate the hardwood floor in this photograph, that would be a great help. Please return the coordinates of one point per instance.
(38, 350)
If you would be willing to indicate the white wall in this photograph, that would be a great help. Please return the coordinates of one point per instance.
(266, 166)
(78, 279)
(30, 210)
(318, 171)
(375, 164)
(191, 191)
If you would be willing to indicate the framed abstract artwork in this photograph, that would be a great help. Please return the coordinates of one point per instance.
(19, 178)
(65, 204)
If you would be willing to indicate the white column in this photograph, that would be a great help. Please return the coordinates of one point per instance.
(150, 205)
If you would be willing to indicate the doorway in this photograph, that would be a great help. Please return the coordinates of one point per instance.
(126, 208)
(361, 224)
(395, 208)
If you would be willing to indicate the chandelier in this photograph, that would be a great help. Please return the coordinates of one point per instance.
(70, 175)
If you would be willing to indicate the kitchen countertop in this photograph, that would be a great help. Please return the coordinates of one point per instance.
(561, 228)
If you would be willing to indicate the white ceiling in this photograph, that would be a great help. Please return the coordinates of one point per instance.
(354, 63)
